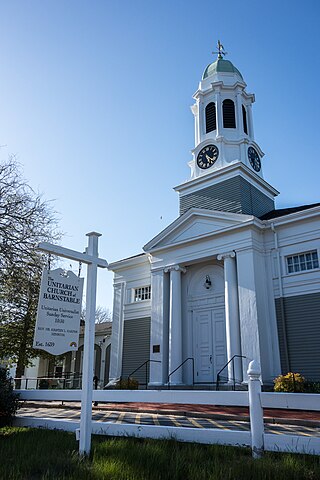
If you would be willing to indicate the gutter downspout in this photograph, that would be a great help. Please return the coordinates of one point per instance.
(281, 300)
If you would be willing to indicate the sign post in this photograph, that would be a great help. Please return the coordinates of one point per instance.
(91, 258)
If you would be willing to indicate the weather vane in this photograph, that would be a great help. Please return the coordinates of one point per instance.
(221, 50)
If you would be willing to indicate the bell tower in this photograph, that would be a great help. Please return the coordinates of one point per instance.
(226, 165)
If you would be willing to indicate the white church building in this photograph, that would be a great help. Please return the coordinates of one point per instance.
(232, 278)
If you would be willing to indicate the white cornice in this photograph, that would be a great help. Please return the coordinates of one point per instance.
(129, 262)
(219, 85)
(220, 175)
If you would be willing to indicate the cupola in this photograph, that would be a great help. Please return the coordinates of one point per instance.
(226, 165)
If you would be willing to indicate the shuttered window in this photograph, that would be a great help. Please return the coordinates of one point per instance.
(244, 117)
(211, 123)
(229, 117)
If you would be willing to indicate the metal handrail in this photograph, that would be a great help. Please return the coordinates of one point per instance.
(63, 378)
(221, 370)
(173, 371)
(146, 363)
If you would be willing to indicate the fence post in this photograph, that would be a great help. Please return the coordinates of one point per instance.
(256, 410)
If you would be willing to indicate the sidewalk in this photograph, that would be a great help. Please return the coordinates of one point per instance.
(282, 416)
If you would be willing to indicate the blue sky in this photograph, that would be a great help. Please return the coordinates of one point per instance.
(95, 102)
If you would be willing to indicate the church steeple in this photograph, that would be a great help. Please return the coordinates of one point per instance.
(225, 146)
(223, 116)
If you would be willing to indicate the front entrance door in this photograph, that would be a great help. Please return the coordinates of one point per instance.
(209, 343)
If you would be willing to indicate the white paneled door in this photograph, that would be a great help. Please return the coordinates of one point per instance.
(209, 343)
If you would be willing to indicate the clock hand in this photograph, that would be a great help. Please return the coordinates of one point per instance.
(209, 158)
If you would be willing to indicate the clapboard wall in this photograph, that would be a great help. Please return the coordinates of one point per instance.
(136, 347)
(299, 333)
(234, 195)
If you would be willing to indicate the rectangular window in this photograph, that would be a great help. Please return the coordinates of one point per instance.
(302, 262)
(142, 293)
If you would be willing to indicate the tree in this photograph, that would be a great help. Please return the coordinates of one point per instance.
(25, 220)
(102, 315)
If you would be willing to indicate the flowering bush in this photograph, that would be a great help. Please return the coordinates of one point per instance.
(291, 382)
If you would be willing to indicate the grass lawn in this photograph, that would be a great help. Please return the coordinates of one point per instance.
(46, 454)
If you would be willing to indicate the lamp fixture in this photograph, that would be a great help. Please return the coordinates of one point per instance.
(207, 284)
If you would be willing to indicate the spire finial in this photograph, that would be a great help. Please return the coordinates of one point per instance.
(221, 51)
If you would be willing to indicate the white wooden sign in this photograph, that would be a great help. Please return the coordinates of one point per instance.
(58, 320)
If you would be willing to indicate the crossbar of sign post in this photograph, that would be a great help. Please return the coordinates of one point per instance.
(58, 320)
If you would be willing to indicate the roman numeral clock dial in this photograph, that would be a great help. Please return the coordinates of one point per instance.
(207, 156)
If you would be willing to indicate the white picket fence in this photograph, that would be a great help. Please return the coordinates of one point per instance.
(256, 400)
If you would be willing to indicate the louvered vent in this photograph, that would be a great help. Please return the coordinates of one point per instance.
(244, 116)
(211, 123)
(229, 118)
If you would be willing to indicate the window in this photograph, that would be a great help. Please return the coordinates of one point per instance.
(229, 117)
(142, 293)
(302, 262)
(211, 117)
(244, 117)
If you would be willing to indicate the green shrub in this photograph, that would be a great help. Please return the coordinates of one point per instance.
(9, 402)
(291, 382)
(127, 384)
(44, 384)
(312, 387)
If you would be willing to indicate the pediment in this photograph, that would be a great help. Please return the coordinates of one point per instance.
(195, 224)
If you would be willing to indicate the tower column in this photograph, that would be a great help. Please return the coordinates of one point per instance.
(250, 122)
(232, 315)
(175, 323)
(239, 113)
(219, 114)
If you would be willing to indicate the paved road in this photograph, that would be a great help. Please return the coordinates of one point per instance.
(165, 420)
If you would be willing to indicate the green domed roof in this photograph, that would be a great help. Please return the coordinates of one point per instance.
(220, 65)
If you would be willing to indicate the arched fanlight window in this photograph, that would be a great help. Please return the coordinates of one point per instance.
(244, 117)
(229, 117)
(211, 123)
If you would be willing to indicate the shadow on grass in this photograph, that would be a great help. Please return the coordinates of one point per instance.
(45, 454)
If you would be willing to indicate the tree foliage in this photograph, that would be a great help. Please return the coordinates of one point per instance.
(25, 220)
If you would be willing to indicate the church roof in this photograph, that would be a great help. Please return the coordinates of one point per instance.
(286, 211)
(220, 65)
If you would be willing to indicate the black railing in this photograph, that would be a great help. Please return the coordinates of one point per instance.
(63, 381)
(233, 379)
(147, 371)
(173, 371)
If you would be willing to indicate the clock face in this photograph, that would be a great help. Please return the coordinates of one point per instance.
(207, 156)
(254, 159)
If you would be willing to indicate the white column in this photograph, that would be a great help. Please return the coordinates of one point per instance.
(232, 315)
(250, 121)
(248, 270)
(159, 328)
(239, 114)
(117, 331)
(196, 113)
(218, 114)
(175, 324)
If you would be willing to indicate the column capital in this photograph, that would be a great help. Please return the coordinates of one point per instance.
(174, 268)
(223, 256)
